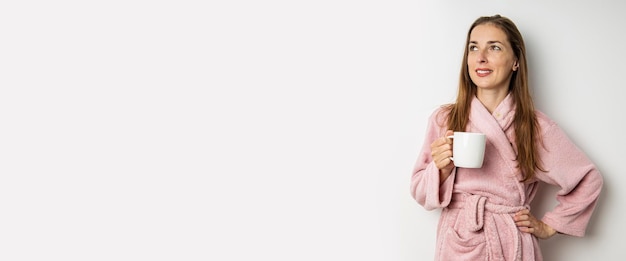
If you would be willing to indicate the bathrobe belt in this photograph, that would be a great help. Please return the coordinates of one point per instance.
(476, 210)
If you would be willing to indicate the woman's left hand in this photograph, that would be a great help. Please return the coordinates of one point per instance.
(527, 223)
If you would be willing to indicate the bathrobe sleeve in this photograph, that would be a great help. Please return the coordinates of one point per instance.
(577, 177)
(425, 187)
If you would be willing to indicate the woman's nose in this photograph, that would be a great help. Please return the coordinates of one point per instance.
(481, 57)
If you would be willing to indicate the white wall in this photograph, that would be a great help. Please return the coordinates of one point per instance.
(274, 130)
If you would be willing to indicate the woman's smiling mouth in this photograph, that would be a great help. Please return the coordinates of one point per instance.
(483, 72)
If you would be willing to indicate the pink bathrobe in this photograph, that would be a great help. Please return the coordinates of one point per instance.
(476, 222)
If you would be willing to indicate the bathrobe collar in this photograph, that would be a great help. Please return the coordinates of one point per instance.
(496, 126)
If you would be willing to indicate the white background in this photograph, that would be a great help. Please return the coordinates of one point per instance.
(269, 130)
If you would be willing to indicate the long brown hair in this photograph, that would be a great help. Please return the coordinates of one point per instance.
(525, 121)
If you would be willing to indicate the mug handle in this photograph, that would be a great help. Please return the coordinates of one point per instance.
(451, 137)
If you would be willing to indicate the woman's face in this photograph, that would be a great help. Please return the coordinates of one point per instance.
(490, 58)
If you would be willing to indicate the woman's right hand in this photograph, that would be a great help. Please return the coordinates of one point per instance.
(441, 151)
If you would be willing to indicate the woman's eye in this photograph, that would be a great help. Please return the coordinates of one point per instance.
(473, 48)
(496, 48)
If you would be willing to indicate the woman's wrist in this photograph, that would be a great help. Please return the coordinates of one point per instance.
(549, 231)
(443, 175)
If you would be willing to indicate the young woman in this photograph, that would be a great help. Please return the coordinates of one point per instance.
(485, 211)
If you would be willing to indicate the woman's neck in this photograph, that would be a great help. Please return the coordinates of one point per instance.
(491, 98)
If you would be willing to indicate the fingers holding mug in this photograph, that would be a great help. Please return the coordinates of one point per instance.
(443, 159)
(441, 151)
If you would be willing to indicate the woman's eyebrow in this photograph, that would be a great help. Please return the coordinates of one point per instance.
(488, 42)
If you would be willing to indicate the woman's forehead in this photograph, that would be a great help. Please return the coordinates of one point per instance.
(487, 33)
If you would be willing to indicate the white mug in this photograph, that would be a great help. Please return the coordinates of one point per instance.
(468, 150)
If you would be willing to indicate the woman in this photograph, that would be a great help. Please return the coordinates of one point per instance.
(485, 212)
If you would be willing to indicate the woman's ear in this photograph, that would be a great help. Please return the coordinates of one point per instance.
(515, 66)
